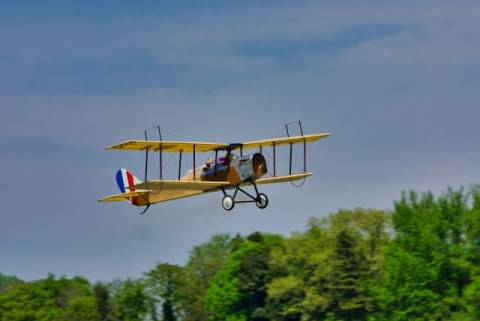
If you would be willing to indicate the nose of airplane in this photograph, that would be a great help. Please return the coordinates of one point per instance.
(259, 165)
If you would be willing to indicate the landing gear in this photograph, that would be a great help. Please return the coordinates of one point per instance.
(262, 201)
(228, 202)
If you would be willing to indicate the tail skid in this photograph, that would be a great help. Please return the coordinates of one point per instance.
(146, 209)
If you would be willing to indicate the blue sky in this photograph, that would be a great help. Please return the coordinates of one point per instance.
(395, 82)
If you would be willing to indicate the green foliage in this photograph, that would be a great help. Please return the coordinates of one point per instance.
(472, 297)
(344, 284)
(182, 290)
(238, 290)
(325, 272)
(81, 308)
(420, 262)
(164, 283)
(49, 299)
(130, 301)
(102, 297)
(7, 282)
(433, 258)
(203, 264)
(224, 295)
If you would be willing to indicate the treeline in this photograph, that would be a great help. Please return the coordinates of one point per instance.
(421, 261)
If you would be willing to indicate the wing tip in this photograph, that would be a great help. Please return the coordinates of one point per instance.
(322, 135)
(104, 200)
(112, 147)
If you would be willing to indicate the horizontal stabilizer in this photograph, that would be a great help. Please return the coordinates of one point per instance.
(122, 196)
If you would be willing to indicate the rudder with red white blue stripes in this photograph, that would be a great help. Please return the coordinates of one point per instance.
(126, 182)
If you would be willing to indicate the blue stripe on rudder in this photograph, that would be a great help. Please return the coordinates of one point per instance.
(120, 183)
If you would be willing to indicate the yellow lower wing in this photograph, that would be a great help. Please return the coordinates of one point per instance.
(281, 179)
(156, 191)
(160, 185)
(167, 190)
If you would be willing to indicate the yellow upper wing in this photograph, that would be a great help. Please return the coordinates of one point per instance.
(285, 140)
(177, 146)
(167, 146)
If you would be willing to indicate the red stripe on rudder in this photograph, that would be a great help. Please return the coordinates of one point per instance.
(131, 187)
(134, 200)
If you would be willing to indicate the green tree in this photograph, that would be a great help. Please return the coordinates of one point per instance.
(238, 290)
(164, 283)
(49, 299)
(204, 262)
(433, 258)
(129, 301)
(8, 281)
(309, 272)
(344, 285)
(102, 297)
(81, 308)
(420, 262)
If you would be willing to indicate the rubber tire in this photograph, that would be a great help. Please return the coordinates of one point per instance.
(228, 198)
(263, 204)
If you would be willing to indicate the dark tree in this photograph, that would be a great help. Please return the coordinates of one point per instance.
(102, 296)
(167, 311)
(345, 283)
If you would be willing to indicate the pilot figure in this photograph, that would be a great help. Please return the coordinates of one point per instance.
(224, 160)
(208, 164)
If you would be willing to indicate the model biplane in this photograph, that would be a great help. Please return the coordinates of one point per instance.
(231, 171)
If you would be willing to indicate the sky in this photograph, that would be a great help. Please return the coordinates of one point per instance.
(395, 82)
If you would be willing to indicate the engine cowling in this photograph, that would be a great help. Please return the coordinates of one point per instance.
(259, 165)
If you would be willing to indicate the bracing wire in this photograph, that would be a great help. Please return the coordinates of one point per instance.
(287, 126)
(299, 185)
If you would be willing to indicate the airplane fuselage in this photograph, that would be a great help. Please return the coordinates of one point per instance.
(236, 170)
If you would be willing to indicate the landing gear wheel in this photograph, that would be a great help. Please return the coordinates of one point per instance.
(262, 201)
(228, 203)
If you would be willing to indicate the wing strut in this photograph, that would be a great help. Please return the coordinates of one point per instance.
(179, 164)
(304, 155)
(274, 160)
(147, 150)
(193, 162)
(160, 152)
(290, 163)
(146, 158)
(291, 146)
(215, 165)
(304, 152)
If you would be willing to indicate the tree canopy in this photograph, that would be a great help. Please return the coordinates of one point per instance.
(420, 261)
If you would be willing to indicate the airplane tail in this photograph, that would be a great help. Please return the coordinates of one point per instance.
(126, 182)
